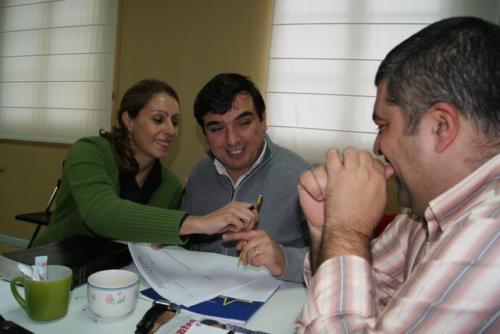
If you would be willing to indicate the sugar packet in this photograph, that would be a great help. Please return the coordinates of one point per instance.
(40, 268)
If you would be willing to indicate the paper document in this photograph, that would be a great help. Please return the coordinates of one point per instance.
(187, 277)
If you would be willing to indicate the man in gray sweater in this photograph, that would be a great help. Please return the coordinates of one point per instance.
(241, 164)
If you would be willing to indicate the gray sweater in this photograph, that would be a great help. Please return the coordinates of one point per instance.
(276, 179)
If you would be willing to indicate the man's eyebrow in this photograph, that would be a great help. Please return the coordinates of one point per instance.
(212, 123)
(244, 114)
(240, 116)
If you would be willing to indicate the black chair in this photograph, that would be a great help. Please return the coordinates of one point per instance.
(41, 217)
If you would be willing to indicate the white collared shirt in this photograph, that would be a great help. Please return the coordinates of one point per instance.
(222, 170)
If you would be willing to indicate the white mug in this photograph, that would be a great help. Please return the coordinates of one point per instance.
(112, 294)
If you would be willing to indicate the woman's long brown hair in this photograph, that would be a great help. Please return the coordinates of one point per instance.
(133, 101)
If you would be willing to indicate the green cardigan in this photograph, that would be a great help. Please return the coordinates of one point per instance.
(88, 201)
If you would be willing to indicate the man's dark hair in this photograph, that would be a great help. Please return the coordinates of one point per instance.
(218, 95)
(455, 60)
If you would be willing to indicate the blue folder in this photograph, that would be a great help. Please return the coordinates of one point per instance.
(221, 306)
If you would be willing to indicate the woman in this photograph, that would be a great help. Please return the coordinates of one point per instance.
(114, 185)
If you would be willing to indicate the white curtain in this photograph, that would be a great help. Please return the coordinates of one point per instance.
(56, 68)
(323, 59)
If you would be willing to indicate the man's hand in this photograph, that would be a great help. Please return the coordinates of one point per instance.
(312, 192)
(354, 203)
(343, 202)
(259, 250)
(233, 217)
(356, 190)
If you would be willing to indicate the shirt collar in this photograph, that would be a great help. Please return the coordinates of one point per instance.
(221, 170)
(461, 196)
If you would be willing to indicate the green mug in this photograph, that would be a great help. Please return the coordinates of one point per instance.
(45, 300)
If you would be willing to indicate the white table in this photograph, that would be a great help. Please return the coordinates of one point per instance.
(276, 316)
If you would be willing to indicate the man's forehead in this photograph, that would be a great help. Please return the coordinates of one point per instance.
(242, 101)
(242, 105)
(235, 112)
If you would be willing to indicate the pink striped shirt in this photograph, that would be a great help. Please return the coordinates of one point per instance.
(440, 277)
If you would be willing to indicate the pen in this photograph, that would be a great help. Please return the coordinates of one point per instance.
(148, 320)
(260, 200)
(256, 206)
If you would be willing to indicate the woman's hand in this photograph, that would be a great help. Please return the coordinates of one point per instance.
(233, 217)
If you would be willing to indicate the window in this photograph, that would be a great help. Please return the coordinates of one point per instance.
(56, 68)
(323, 60)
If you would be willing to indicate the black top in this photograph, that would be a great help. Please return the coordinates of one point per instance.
(129, 189)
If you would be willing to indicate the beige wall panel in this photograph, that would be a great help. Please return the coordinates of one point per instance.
(186, 43)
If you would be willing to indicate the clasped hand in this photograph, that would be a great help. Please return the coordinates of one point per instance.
(343, 200)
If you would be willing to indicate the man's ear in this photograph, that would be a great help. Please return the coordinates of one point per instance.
(446, 124)
(264, 119)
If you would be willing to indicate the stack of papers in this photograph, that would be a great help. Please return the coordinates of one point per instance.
(205, 283)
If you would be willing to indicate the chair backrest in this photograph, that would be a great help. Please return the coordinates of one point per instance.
(53, 196)
(54, 193)
(40, 217)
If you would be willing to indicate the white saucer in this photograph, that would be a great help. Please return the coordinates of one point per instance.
(96, 318)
